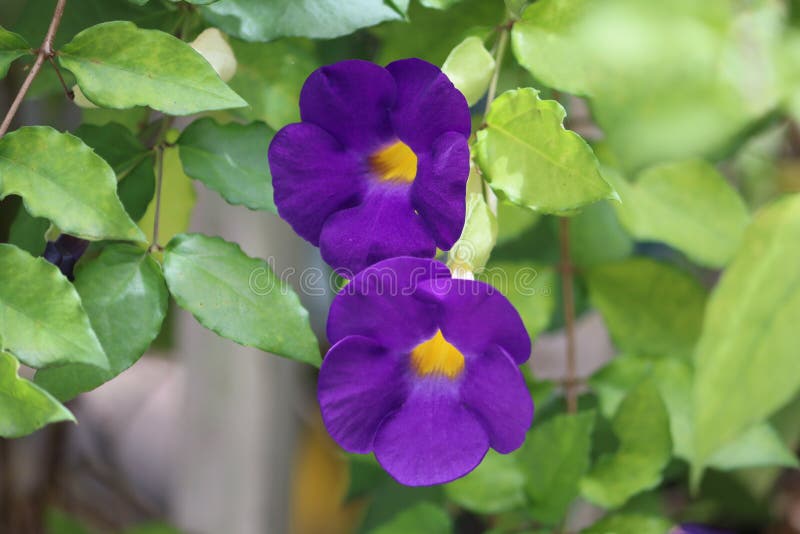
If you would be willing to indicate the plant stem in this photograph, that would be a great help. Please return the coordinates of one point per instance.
(67, 91)
(45, 52)
(568, 296)
(159, 180)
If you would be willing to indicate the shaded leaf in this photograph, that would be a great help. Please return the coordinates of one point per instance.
(238, 297)
(422, 518)
(497, 485)
(628, 523)
(12, 46)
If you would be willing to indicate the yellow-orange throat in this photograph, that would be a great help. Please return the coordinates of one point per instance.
(437, 357)
(394, 163)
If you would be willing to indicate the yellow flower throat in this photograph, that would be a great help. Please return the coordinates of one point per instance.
(437, 357)
(394, 163)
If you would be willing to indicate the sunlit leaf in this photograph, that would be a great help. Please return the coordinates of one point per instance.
(469, 66)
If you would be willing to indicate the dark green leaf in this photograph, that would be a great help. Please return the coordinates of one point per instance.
(12, 46)
(42, 321)
(422, 518)
(125, 297)
(626, 523)
(24, 407)
(27, 232)
(121, 66)
(497, 485)
(238, 297)
(231, 159)
(61, 179)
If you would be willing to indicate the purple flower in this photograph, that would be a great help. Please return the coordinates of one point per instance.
(378, 166)
(423, 371)
(689, 528)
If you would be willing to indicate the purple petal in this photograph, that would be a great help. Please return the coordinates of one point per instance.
(494, 388)
(383, 226)
(476, 316)
(360, 382)
(427, 104)
(381, 303)
(313, 177)
(432, 439)
(690, 528)
(351, 100)
(440, 188)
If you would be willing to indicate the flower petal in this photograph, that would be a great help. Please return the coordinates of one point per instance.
(427, 104)
(313, 177)
(360, 383)
(350, 100)
(432, 439)
(383, 226)
(381, 303)
(440, 189)
(495, 389)
(476, 316)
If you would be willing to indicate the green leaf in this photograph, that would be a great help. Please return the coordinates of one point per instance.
(513, 221)
(61, 179)
(422, 518)
(131, 160)
(125, 297)
(471, 252)
(469, 66)
(671, 203)
(255, 20)
(596, 236)
(238, 297)
(641, 425)
(27, 232)
(269, 76)
(497, 485)
(627, 523)
(230, 159)
(759, 446)
(555, 456)
(530, 159)
(58, 522)
(41, 319)
(746, 359)
(438, 4)
(120, 66)
(649, 307)
(12, 46)
(24, 407)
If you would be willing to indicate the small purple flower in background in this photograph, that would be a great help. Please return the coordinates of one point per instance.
(424, 371)
(378, 166)
(690, 528)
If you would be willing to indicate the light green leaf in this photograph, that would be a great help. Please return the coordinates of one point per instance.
(671, 203)
(438, 4)
(530, 288)
(469, 66)
(256, 20)
(530, 159)
(61, 179)
(641, 425)
(125, 297)
(12, 46)
(628, 523)
(513, 221)
(121, 66)
(596, 236)
(24, 407)
(41, 319)
(497, 485)
(471, 252)
(422, 518)
(759, 446)
(238, 297)
(746, 359)
(269, 76)
(230, 159)
(649, 307)
(554, 457)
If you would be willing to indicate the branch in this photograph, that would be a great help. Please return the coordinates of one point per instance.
(567, 293)
(45, 52)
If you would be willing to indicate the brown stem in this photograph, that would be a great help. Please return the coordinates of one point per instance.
(568, 295)
(45, 52)
(67, 91)
(159, 180)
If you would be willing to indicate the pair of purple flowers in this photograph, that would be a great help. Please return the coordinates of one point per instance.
(424, 368)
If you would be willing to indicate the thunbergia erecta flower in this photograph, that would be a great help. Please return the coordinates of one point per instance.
(424, 371)
(378, 166)
(690, 528)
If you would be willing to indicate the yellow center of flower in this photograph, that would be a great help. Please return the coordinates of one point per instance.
(437, 357)
(394, 163)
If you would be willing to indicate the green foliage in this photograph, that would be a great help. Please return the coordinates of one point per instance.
(422, 518)
(61, 179)
(629, 523)
(648, 306)
(25, 407)
(125, 297)
(748, 342)
(530, 159)
(497, 485)
(43, 322)
(469, 66)
(114, 71)
(230, 160)
(472, 250)
(238, 297)
(641, 425)
(255, 20)
(12, 46)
